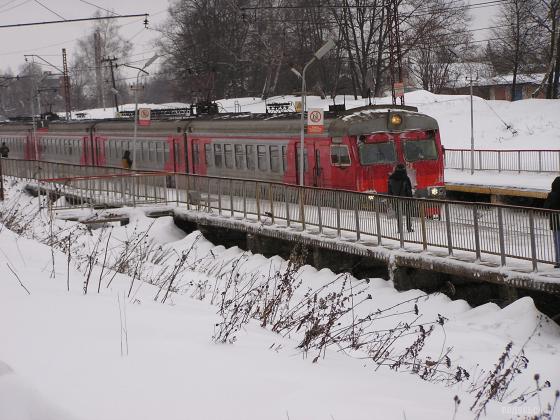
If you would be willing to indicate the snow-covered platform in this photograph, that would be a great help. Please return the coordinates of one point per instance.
(504, 183)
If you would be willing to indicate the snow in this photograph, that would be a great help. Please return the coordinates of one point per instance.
(62, 356)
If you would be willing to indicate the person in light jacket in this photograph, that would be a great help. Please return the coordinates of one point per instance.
(552, 202)
(399, 185)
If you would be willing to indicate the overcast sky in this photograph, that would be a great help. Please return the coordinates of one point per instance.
(48, 40)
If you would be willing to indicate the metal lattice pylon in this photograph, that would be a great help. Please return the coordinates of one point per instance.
(396, 75)
(66, 82)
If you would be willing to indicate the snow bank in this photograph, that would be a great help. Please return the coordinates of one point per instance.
(69, 347)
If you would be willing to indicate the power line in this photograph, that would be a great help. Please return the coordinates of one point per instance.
(99, 7)
(17, 25)
(50, 10)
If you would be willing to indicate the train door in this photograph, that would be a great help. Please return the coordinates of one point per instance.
(318, 172)
(195, 156)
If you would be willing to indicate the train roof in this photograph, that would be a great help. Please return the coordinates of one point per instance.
(368, 119)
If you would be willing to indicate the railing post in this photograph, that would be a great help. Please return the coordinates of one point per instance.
(187, 186)
(376, 205)
(501, 236)
(533, 240)
(540, 161)
(338, 230)
(499, 161)
(302, 207)
(219, 196)
(176, 190)
(357, 216)
(480, 159)
(462, 161)
(320, 215)
(287, 206)
(271, 203)
(208, 196)
(231, 198)
(423, 225)
(258, 201)
(400, 212)
(519, 161)
(244, 200)
(448, 229)
(476, 232)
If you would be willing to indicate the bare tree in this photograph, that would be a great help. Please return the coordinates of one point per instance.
(517, 40)
(89, 77)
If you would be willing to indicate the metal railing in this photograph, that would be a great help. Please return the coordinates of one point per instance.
(511, 234)
(504, 160)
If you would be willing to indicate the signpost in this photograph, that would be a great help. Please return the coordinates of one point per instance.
(144, 115)
(399, 89)
(315, 121)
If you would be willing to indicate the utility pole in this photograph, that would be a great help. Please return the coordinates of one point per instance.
(470, 79)
(110, 60)
(98, 75)
(66, 81)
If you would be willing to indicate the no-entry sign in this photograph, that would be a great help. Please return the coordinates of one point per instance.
(144, 115)
(315, 121)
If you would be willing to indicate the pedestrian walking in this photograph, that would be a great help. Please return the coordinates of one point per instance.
(126, 160)
(552, 202)
(399, 185)
(4, 150)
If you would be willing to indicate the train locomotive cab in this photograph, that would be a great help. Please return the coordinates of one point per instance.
(383, 136)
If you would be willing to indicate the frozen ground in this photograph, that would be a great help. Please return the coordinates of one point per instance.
(64, 354)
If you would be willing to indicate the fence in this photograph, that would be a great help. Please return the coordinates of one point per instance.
(504, 160)
(508, 232)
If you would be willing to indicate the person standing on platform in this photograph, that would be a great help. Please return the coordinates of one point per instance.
(552, 202)
(399, 185)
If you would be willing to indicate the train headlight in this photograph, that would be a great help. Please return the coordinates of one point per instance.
(396, 120)
(434, 191)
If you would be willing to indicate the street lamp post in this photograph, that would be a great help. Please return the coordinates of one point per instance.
(320, 53)
(140, 70)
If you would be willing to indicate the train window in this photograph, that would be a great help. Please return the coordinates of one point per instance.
(373, 153)
(152, 155)
(261, 158)
(275, 158)
(415, 150)
(340, 155)
(208, 154)
(218, 155)
(250, 149)
(239, 157)
(195, 153)
(285, 158)
(228, 155)
(165, 151)
(159, 151)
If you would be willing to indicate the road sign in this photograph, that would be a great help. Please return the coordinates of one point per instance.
(399, 89)
(144, 115)
(315, 121)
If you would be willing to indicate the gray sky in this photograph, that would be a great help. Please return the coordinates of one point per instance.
(48, 40)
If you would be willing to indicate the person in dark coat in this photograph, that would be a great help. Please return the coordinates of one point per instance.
(552, 202)
(399, 185)
(126, 160)
(4, 150)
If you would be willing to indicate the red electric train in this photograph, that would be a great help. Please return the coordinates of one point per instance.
(357, 150)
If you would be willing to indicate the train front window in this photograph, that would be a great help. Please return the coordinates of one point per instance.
(415, 150)
(374, 153)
